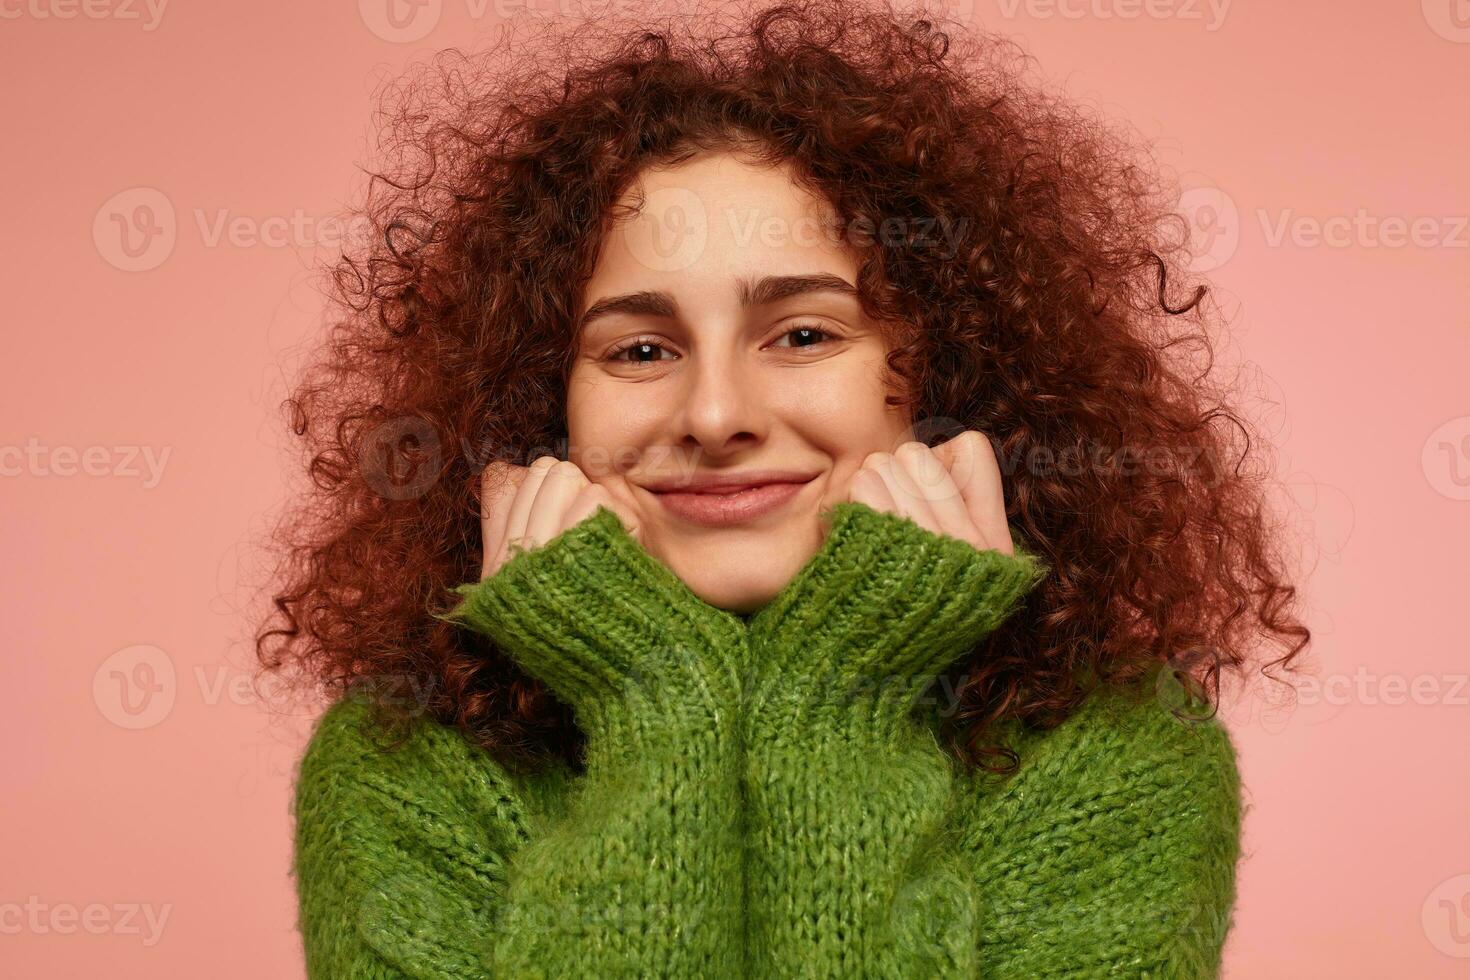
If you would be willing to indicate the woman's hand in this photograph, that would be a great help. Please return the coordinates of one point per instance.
(568, 591)
(954, 488)
(847, 796)
(917, 567)
(527, 506)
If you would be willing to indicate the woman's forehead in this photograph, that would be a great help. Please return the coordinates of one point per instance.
(718, 222)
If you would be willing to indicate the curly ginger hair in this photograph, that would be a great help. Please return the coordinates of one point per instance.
(1058, 327)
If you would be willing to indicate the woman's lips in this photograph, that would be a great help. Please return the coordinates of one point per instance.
(716, 509)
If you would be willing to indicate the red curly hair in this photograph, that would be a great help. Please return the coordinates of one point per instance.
(1059, 328)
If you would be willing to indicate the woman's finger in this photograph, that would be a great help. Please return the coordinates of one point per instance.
(525, 498)
(867, 486)
(593, 495)
(499, 485)
(563, 481)
(909, 502)
(922, 467)
(976, 474)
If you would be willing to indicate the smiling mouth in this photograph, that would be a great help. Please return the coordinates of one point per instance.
(717, 506)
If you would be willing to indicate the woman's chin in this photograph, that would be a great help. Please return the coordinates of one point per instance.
(740, 577)
(742, 598)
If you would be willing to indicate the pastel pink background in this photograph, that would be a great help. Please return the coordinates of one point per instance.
(1357, 853)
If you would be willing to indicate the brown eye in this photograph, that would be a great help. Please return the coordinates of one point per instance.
(643, 351)
(809, 335)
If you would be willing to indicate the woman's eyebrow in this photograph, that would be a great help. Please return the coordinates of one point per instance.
(767, 289)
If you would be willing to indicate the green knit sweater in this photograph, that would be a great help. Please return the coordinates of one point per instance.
(764, 795)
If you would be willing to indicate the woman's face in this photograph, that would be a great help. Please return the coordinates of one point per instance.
(720, 341)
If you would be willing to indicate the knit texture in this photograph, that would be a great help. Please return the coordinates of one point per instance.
(763, 796)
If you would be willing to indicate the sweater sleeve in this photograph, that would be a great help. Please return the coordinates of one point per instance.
(853, 868)
(424, 864)
(1112, 851)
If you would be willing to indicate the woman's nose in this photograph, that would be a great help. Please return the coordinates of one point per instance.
(723, 400)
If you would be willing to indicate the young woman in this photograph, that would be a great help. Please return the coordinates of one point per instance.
(811, 531)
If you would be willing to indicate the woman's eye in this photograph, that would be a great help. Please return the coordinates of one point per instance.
(648, 351)
(809, 335)
(643, 351)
